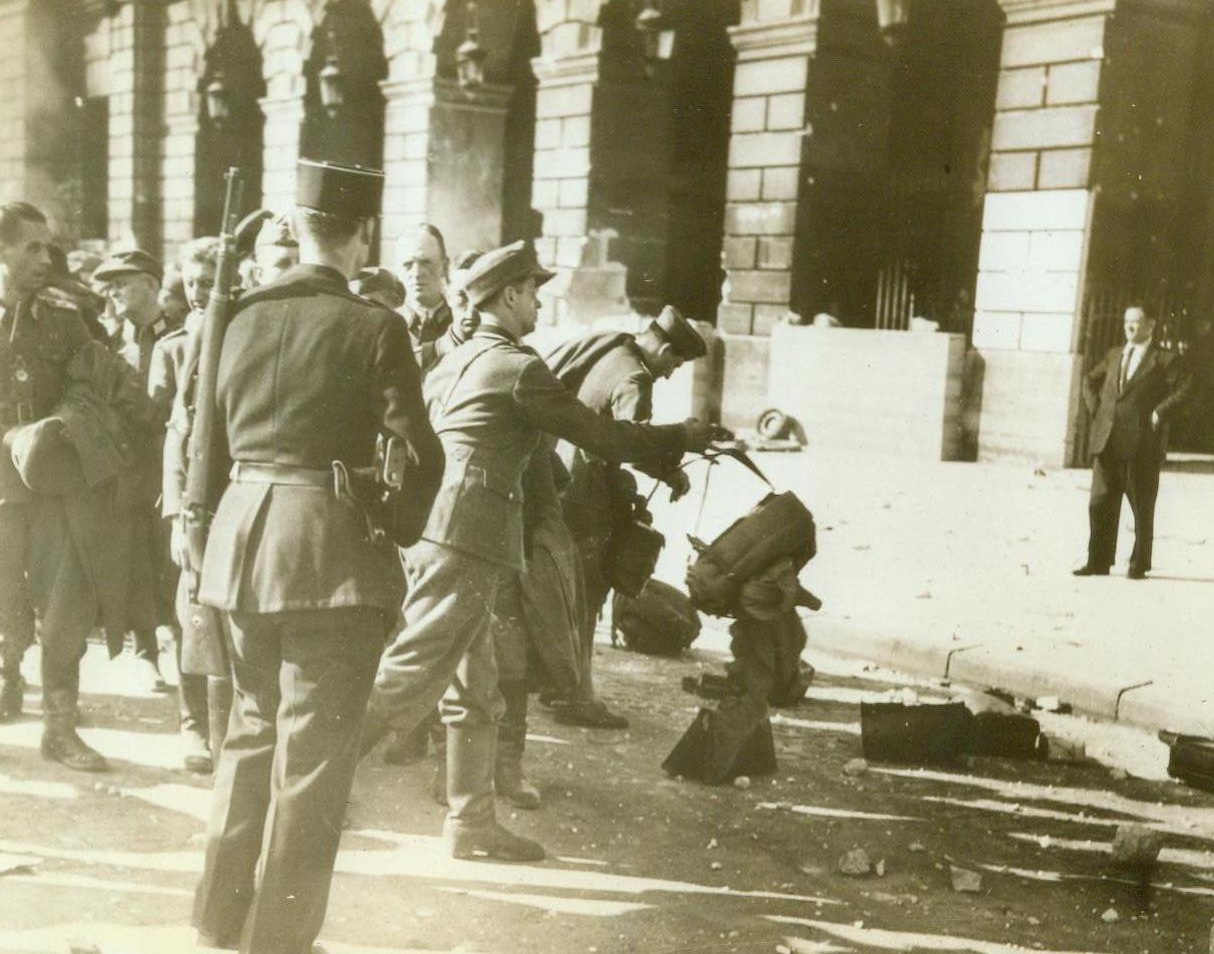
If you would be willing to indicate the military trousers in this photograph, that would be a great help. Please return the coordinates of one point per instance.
(593, 544)
(301, 683)
(444, 654)
(16, 610)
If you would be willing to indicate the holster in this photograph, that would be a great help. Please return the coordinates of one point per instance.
(203, 645)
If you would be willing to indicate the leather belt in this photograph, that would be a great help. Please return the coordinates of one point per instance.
(245, 472)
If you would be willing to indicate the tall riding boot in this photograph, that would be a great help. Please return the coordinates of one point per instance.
(60, 743)
(195, 719)
(12, 686)
(471, 830)
(508, 776)
(219, 709)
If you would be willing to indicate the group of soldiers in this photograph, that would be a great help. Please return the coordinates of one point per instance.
(411, 520)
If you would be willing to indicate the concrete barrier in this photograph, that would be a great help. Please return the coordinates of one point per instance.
(891, 391)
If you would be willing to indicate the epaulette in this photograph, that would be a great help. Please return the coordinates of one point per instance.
(55, 298)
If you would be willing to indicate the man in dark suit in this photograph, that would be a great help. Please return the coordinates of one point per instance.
(310, 376)
(490, 400)
(1131, 396)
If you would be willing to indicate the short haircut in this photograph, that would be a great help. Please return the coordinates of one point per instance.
(1141, 306)
(325, 227)
(433, 231)
(204, 251)
(12, 214)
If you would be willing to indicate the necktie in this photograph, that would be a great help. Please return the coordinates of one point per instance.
(1125, 369)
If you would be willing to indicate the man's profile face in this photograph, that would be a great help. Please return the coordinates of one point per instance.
(26, 262)
(526, 306)
(1138, 326)
(420, 268)
(197, 279)
(133, 295)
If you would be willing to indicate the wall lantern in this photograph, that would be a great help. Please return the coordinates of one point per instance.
(332, 95)
(219, 99)
(470, 56)
(658, 40)
(891, 19)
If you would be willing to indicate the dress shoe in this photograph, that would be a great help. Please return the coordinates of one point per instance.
(510, 782)
(196, 753)
(1135, 573)
(1088, 570)
(489, 841)
(66, 747)
(592, 715)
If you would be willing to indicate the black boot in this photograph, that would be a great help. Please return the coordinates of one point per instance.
(12, 689)
(471, 830)
(60, 743)
(508, 776)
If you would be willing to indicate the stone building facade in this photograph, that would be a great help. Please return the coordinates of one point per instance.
(1016, 170)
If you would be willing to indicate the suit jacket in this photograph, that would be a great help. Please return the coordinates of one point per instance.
(1121, 418)
(490, 400)
(607, 371)
(310, 374)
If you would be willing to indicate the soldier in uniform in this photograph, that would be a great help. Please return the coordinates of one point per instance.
(490, 401)
(421, 256)
(132, 283)
(310, 376)
(197, 263)
(613, 374)
(45, 562)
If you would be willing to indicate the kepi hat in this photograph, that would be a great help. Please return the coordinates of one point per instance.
(348, 191)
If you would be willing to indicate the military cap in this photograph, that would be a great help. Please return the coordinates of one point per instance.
(494, 270)
(276, 232)
(350, 191)
(681, 334)
(46, 460)
(128, 262)
(248, 230)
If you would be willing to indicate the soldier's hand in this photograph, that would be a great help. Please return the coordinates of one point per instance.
(679, 483)
(699, 434)
(179, 547)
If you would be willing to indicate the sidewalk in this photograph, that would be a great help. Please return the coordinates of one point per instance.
(964, 571)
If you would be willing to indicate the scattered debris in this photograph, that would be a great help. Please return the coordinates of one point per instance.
(1118, 774)
(712, 844)
(879, 867)
(716, 866)
(916, 847)
(855, 767)
(855, 864)
(1058, 749)
(965, 881)
(742, 781)
(1110, 916)
(1136, 847)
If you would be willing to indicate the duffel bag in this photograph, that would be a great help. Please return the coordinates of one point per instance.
(660, 621)
(633, 555)
(914, 735)
(780, 526)
(1191, 759)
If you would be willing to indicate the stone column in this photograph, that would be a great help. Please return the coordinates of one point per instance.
(602, 162)
(136, 109)
(445, 163)
(1076, 127)
(775, 43)
(284, 119)
(13, 36)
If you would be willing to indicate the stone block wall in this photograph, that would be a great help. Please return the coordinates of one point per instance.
(12, 104)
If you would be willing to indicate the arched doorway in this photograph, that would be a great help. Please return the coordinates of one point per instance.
(231, 122)
(343, 103)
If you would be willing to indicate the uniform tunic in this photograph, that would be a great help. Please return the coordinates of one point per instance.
(309, 374)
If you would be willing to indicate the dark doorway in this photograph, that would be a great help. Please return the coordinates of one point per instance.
(701, 89)
(230, 123)
(895, 165)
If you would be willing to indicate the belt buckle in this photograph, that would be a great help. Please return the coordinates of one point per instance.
(25, 412)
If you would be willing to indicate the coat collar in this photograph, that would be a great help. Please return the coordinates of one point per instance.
(1149, 357)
